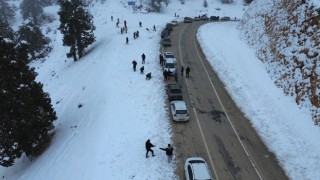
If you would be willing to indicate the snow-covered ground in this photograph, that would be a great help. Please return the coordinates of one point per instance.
(106, 111)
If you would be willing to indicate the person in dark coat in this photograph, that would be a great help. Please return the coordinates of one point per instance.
(140, 24)
(141, 70)
(187, 72)
(161, 59)
(148, 76)
(169, 152)
(149, 145)
(165, 74)
(127, 40)
(182, 70)
(134, 63)
(137, 34)
(143, 57)
(154, 27)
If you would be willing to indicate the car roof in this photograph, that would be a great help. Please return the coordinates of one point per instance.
(169, 60)
(179, 105)
(174, 86)
(167, 53)
(200, 167)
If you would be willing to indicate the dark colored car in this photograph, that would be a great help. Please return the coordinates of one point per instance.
(174, 92)
(166, 42)
(225, 18)
(204, 18)
(165, 33)
(214, 18)
(187, 20)
(169, 26)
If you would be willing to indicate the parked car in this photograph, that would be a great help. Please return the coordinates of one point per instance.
(169, 26)
(166, 42)
(197, 18)
(204, 18)
(225, 18)
(179, 111)
(174, 92)
(165, 33)
(169, 55)
(214, 18)
(188, 20)
(196, 168)
(170, 66)
(174, 23)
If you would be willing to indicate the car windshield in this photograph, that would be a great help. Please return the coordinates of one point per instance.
(175, 91)
(181, 112)
(169, 56)
(170, 65)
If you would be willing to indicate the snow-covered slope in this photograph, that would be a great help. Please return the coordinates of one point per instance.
(285, 35)
(106, 111)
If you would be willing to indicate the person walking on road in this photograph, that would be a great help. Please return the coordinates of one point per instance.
(149, 145)
(182, 70)
(169, 152)
(187, 72)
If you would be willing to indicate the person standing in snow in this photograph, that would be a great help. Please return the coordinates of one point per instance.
(127, 40)
(148, 76)
(169, 152)
(161, 59)
(154, 27)
(140, 24)
(143, 58)
(187, 72)
(141, 70)
(149, 145)
(134, 63)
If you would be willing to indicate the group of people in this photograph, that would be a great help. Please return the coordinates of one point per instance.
(134, 66)
(168, 150)
(187, 71)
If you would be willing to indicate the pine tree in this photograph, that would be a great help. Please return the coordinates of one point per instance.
(32, 9)
(76, 26)
(37, 43)
(25, 110)
(7, 12)
(5, 29)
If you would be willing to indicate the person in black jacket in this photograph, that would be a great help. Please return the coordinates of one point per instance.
(169, 152)
(149, 145)
(134, 64)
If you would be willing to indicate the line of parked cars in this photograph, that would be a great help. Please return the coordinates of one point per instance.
(165, 34)
(206, 18)
(194, 167)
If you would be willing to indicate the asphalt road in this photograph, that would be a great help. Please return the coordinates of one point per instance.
(217, 130)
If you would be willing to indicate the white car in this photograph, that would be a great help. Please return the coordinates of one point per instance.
(169, 55)
(196, 168)
(179, 111)
(174, 22)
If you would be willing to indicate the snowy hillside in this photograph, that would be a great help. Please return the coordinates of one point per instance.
(106, 111)
(285, 35)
